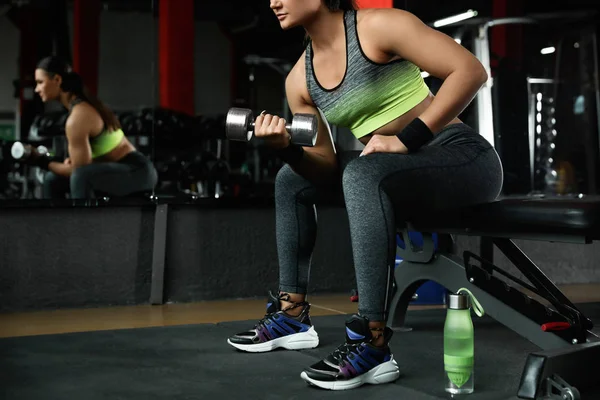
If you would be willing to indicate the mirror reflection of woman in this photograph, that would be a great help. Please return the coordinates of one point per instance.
(101, 158)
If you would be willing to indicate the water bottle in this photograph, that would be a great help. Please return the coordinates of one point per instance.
(459, 349)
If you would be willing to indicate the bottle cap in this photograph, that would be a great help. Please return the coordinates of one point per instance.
(459, 302)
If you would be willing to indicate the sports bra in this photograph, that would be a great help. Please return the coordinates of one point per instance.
(371, 94)
(106, 141)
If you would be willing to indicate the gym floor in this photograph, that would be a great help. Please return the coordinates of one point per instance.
(179, 351)
(145, 316)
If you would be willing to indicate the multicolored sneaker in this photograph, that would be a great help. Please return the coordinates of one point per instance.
(355, 362)
(278, 329)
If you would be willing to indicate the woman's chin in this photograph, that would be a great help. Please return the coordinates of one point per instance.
(286, 24)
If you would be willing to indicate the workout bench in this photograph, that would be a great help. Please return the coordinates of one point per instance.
(564, 365)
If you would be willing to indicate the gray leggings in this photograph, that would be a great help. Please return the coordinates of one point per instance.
(458, 167)
(132, 174)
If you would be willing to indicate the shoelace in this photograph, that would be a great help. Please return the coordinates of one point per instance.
(284, 297)
(344, 350)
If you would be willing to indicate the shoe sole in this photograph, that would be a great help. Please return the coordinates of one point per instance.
(383, 373)
(295, 341)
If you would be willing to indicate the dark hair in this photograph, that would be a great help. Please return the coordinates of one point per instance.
(72, 83)
(344, 5)
(335, 5)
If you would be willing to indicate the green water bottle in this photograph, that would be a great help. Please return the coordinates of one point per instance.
(459, 348)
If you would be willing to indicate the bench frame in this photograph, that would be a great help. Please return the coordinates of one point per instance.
(563, 352)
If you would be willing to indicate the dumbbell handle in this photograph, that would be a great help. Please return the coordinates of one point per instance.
(288, 126)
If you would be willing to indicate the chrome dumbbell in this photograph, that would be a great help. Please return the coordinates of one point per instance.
(22, 152)
(239, 126)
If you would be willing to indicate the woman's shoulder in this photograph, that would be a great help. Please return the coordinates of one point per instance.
(82, 108)
(83, 112)
(375, 17)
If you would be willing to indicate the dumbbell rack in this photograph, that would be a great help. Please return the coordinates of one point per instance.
(29, 183)
(18, 180)
(202, 186)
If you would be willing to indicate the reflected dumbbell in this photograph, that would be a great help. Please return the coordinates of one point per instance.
(240, 127)
(22, 152)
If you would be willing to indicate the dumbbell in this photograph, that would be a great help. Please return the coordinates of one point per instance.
(22, 152)
(240, 127)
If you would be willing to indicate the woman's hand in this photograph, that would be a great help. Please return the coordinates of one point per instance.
(271, 128)
(384, 144)
(67, 161)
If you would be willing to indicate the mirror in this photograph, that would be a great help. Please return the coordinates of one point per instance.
(89, 62)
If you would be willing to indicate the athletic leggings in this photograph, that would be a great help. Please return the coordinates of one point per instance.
(457, 168)
(132, 174)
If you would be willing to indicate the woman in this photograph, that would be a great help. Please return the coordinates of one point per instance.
(361, 69)
(101, 159)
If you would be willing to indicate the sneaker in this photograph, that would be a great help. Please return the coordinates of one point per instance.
(278, 329)
(355, 362)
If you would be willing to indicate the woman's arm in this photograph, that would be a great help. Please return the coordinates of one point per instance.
(78, 126)
(400, 33)
(319, 163)
(60, 169)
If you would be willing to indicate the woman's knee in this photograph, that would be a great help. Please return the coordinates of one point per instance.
(52, 183)
(50, 179)
(289, 181)
(291, 187)
(360, 173)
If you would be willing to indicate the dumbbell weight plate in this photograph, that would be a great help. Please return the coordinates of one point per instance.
(18, 151)
(304, 129)
(41, 149)
(239, 124)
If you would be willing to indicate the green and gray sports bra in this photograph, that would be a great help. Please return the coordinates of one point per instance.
(106, 141)
(370, 94)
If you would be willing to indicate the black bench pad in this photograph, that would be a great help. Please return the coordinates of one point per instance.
(530, 216)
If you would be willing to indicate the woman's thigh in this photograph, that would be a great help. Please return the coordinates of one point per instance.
(453, 173)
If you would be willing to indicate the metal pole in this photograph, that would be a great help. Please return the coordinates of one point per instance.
(485, 112)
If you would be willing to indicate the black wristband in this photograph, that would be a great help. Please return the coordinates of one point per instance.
(43, 161)
(415, 135)
(291, 154)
